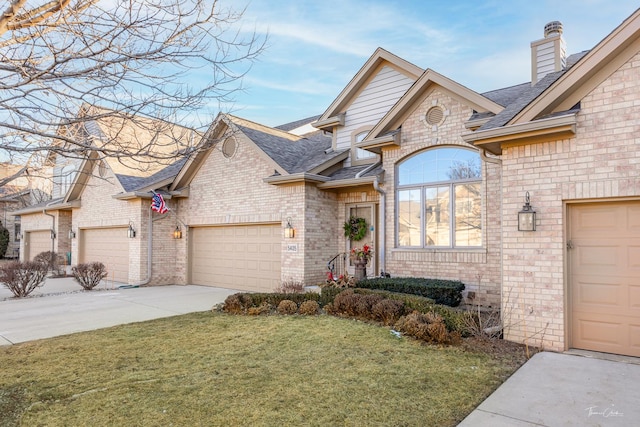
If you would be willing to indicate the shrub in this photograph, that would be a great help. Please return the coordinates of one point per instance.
(447, 292)
(240, 303)
(388, 311)
(264, 308)
(364, 304)
(344, 304)
(309, 308)
(89, 275)
(453, 318)
(48, 258)
(290, 287)
(4, 240)
(428, 327)
(287, 306)
(22, 278)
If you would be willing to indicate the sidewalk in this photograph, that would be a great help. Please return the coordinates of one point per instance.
(62, 307)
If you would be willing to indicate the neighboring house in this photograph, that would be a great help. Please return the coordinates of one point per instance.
(20, 190)
(439, 172)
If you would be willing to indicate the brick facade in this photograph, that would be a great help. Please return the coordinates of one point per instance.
(478, 268)
(599, 164)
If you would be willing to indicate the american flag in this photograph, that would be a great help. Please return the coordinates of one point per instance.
(157, 203)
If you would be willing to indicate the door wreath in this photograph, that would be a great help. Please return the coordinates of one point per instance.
(355, 228)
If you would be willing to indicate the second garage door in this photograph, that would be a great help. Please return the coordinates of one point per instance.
(109, 246)
(245, 257)
(604, 242)
(37, 242)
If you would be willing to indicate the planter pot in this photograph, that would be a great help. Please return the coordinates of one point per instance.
(360, 268)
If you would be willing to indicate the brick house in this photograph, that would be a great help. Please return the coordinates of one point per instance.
(439, 172)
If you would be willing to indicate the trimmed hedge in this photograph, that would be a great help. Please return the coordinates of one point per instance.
(447, 292)
(453, 318)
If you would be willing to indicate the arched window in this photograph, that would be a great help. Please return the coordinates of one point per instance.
(439, 200)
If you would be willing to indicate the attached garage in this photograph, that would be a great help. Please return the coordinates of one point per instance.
(604, 277)
(109, 246)
(245, 257)
(37, 242)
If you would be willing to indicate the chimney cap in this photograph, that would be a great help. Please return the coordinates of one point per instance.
(553, 28)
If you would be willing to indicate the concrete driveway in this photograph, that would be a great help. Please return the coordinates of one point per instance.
(61, 307)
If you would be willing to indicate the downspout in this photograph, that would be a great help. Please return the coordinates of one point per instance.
(149, 250)
(485, 158)
(53, 227)
(383, 221)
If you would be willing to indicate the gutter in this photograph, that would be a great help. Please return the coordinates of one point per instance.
(368, 169)
(383, 220)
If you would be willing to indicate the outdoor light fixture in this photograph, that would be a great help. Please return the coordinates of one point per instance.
(289, 232)
(527, 216)
(53, 234)
(131, 233)
(177, 234)
(72, 234)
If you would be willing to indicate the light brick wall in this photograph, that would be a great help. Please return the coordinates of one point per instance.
(39, 221)
(232, 192)
(600, 163)
(479, 268)
(100, 210)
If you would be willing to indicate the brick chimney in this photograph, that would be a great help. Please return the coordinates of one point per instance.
(548, 54)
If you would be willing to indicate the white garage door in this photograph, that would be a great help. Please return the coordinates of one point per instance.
(605, 277)
(109, 246)
(243, 257)
(37, 242)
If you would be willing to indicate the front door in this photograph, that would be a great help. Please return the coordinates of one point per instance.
(368, 212)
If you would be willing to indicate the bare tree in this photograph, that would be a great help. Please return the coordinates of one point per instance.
(68, 64)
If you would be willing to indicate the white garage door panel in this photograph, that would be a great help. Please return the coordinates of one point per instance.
(38, 241)
(605, 277)
(245, 257)
(109, 246)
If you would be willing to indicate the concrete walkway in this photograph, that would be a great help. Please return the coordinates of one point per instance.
(555, 389)
(62, 307)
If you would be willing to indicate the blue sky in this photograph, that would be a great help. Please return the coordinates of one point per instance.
(316, 47)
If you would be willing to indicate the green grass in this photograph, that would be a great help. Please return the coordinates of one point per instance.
(217, 369)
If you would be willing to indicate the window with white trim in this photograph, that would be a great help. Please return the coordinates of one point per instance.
(438, 197)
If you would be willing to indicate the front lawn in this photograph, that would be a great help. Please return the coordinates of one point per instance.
(218, 369)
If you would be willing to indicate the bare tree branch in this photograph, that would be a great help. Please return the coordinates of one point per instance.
(77, 75)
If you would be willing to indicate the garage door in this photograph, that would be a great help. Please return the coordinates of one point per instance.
(604, 262)
(237, 257)
(109, 246)
(37, 242)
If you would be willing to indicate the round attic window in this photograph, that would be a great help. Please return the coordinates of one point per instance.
(229, 147)
(434, 116)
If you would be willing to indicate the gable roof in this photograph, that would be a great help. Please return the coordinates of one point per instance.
(548, 109)
(287, 153)
(418, 91)
(379, 58)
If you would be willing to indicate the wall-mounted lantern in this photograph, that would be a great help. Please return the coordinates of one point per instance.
(72, 234)
(131, 232)
(289, 232)
(53, 234)
(177, 233)
(527, 216)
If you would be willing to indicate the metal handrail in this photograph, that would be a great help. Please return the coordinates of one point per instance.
(337, 265)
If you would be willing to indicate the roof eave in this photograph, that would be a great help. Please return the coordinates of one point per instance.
(327, 164)
(295, 179)
(352, 182)
(329, 123)
(494, 140)
(130, 195)
(375, 145)
(56, 207)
